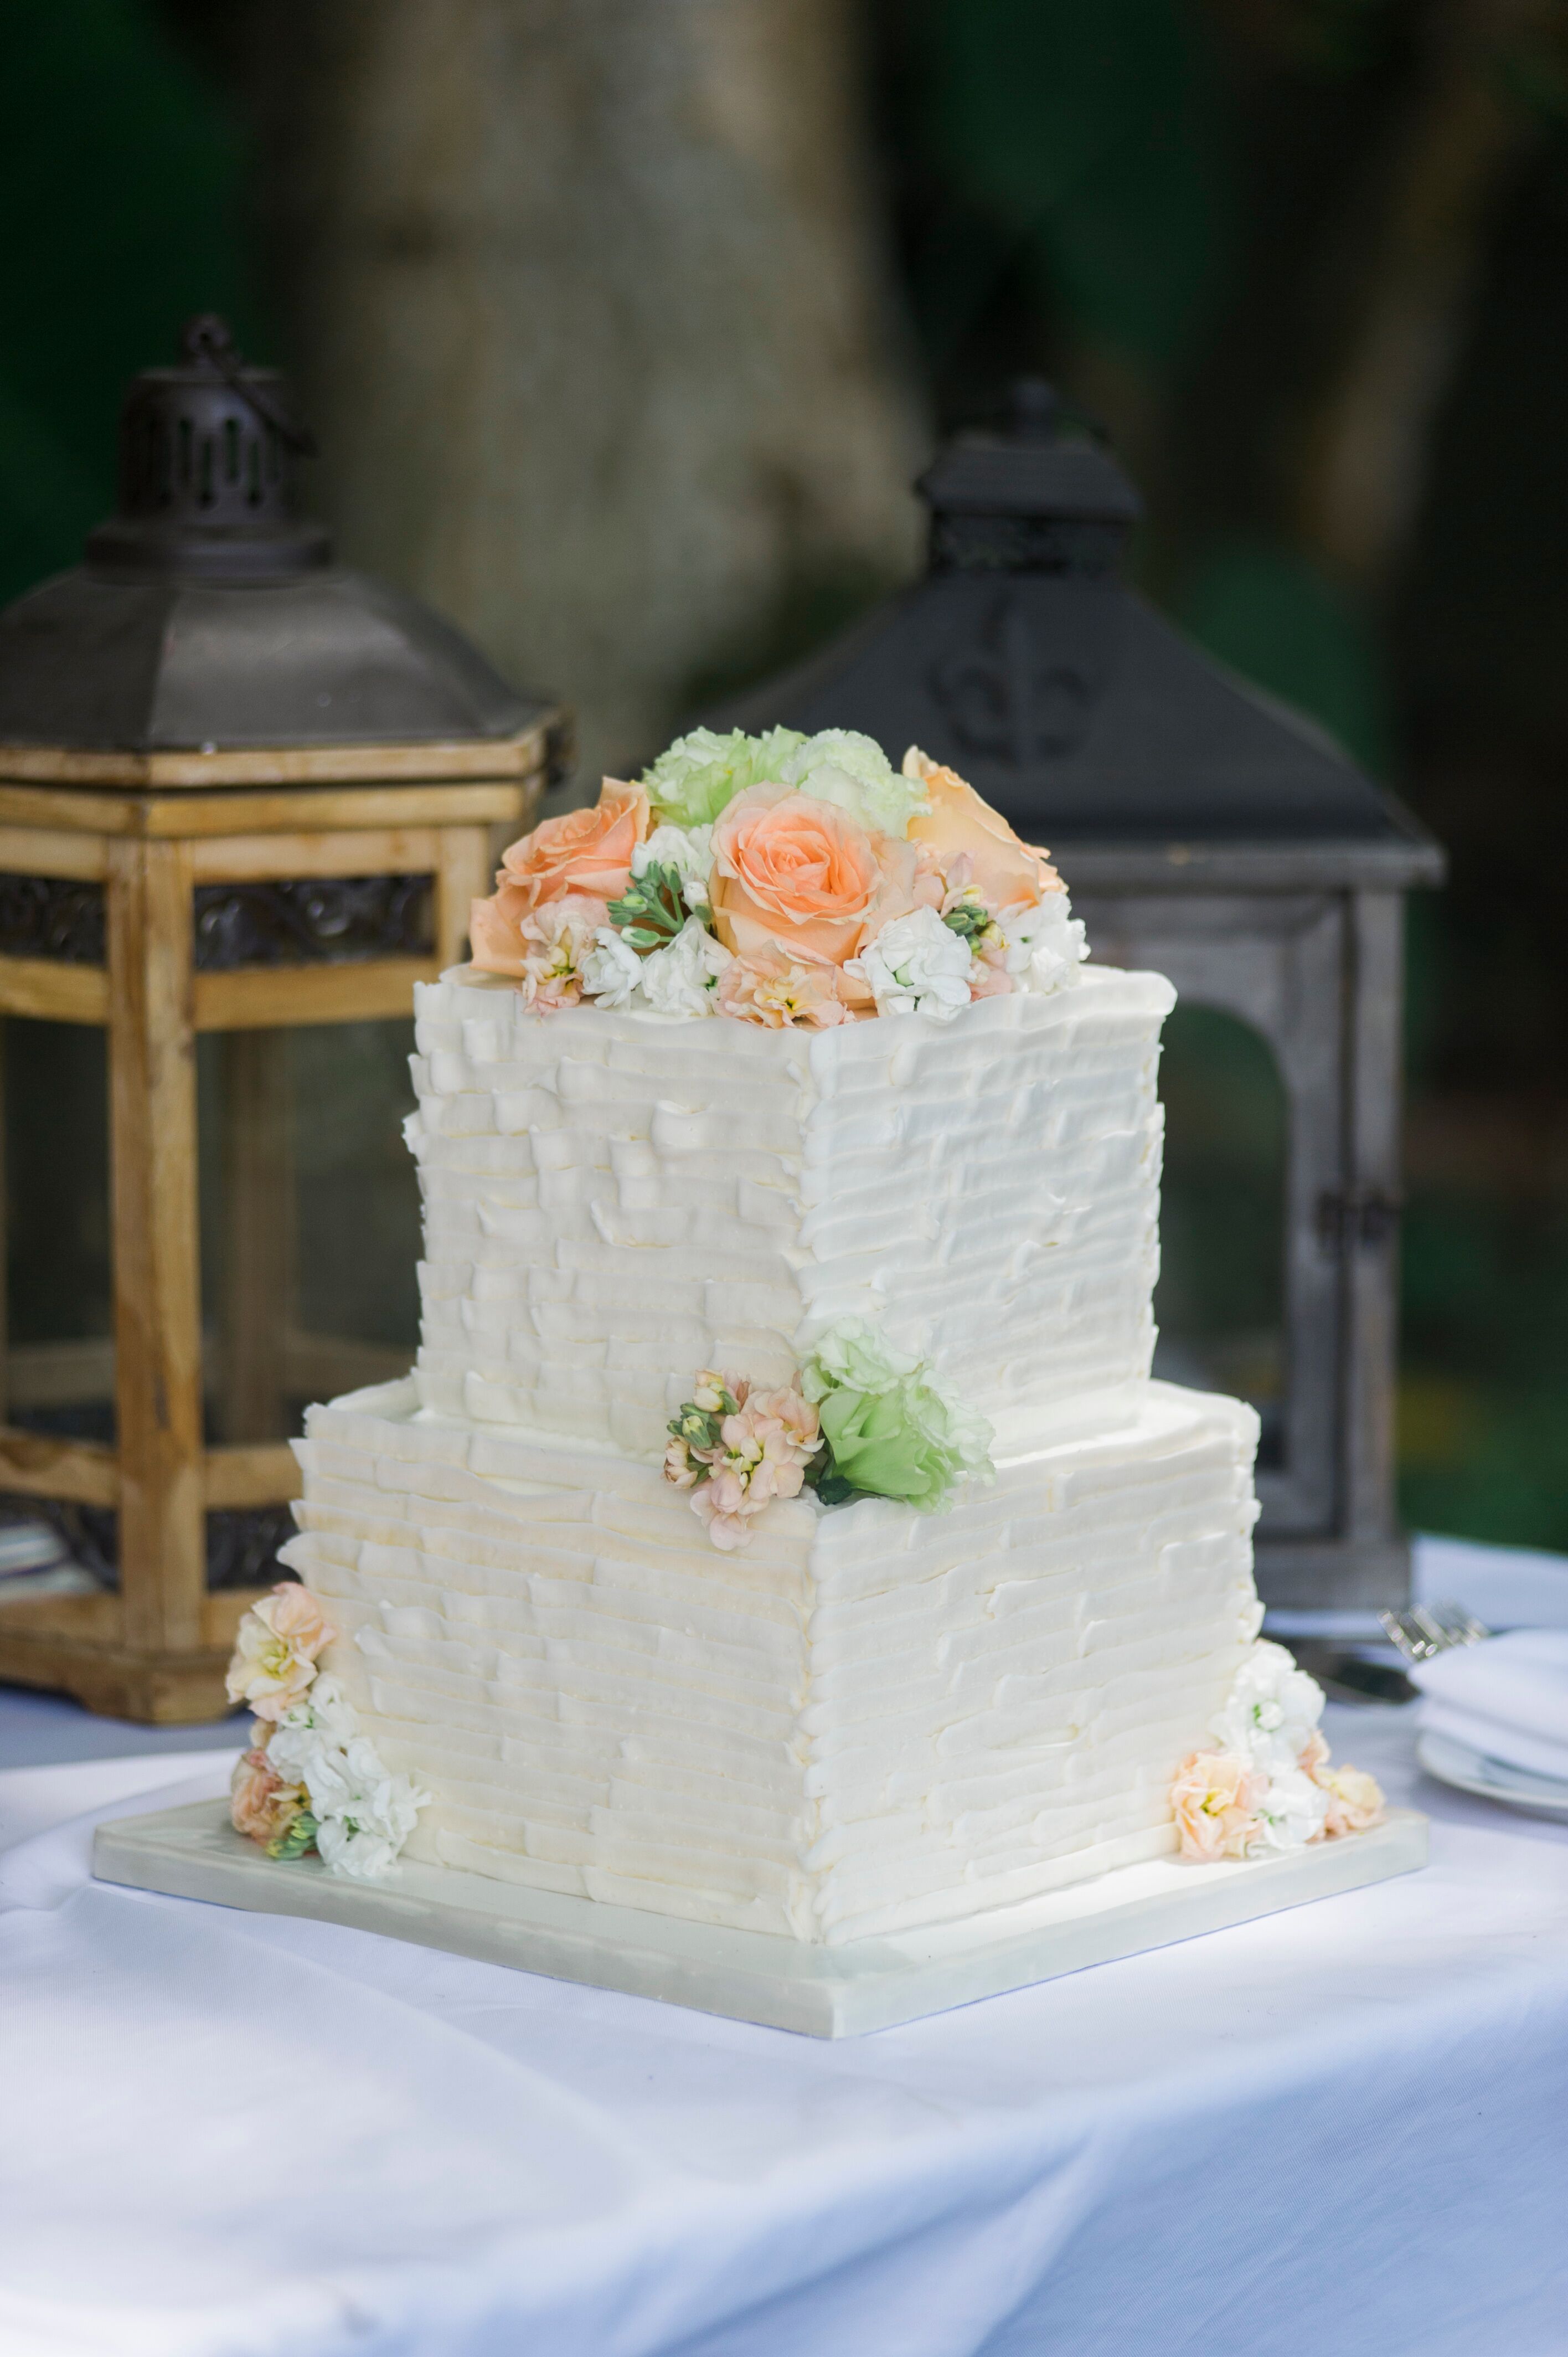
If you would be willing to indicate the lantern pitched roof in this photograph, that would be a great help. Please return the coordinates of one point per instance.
(330, 657)
(1023, 661)
(210, 613)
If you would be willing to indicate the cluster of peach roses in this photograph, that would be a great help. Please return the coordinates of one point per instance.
(788, 904)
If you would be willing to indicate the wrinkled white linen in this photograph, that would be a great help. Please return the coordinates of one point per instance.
(1508, 1697)
(1341, 2132)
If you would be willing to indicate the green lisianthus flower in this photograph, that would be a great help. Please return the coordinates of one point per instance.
(905, 1442)
(856, 1354)
(693, 779)
(852, 773)
(878, 1446)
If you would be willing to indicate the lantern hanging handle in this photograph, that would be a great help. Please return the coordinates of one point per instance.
(207, 338)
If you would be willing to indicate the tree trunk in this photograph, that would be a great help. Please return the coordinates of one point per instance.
(590, 316)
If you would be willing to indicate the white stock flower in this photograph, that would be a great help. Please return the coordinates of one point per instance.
(363, 1813)
(612, 972)
(1045, 944)
(681, 980)
(1291, 1813)
(916, 964)
(323, 1715)
(365, 1857)
(1272, 1709)
(688, 849)
(852, 773)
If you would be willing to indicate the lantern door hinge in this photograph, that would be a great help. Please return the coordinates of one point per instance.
(1351, 1216)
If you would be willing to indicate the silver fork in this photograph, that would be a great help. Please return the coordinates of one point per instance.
(1429, 1629)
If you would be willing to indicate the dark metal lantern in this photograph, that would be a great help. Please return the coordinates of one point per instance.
(242, 790)
(1206, 831)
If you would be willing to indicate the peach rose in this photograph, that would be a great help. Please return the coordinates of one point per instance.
(1003, 871)
(275, 1648)
(585, 851)
(791, 874)
(1215, 1799)
(261, 1806)
(1355, 1800)
(771, 988)
(584, 855)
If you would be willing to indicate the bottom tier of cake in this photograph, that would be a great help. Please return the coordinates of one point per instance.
(869, 1720)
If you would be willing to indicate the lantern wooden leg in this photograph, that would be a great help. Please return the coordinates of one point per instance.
(258, 1234)
(465, 873)
(158, 1291)
(5, 1247)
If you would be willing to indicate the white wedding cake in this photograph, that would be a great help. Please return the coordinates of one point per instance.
(781, 1528)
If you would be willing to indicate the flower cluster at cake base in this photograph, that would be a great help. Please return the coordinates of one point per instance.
(781, 879)
(866, 1421)
(1267, 1786)
(311, 1778)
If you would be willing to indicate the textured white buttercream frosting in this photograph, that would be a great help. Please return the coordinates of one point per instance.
(871, 1720)
(613, 1200)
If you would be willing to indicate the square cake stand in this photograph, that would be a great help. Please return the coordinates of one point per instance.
(194, 1852)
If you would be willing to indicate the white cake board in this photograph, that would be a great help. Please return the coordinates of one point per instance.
(194, 1852)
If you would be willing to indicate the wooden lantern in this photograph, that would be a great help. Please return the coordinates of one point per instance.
(240, 789)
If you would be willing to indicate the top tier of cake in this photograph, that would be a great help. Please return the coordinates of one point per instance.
(613, 1200)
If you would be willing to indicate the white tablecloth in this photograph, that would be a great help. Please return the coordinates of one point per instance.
(1340, 2130)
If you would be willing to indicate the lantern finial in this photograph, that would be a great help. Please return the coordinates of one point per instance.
(1034, 410)
(207, 472)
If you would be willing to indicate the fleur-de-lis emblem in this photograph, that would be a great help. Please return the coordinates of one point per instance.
(1010, 696)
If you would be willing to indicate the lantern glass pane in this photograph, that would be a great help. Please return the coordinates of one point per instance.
(310, 1221)
(57, 1354)
(1221, 1302)
(56, 1193)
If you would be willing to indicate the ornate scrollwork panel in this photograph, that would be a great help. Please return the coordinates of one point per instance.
(313, 920)
(242, 1544)
(55, 916)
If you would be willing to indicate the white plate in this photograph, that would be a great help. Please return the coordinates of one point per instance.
(1472, 1772)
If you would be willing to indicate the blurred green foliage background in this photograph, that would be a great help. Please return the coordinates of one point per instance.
(1308, 261)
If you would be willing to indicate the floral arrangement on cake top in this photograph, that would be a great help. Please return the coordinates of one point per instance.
(1268, 1786)
(779, 879)
(310, 1780)
(866, 1421)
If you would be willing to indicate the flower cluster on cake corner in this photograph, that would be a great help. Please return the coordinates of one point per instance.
(781, 879)
(311, 1780)
(866, 1421)
(1268, 1785)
